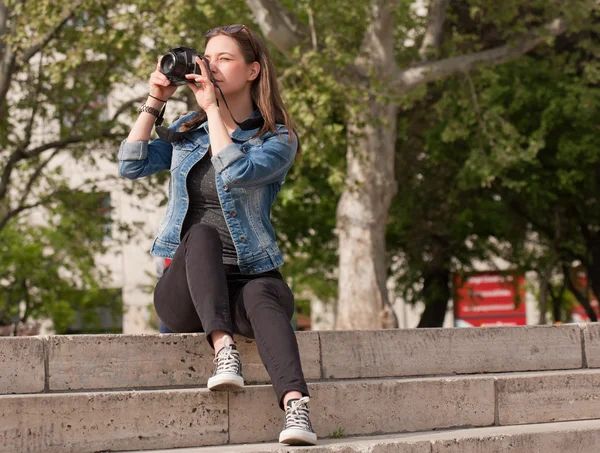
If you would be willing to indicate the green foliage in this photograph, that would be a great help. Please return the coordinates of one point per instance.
(338, 433)
(52, 270)
(500, 162)
(304, 215)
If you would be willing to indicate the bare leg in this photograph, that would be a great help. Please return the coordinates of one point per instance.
(291, 396)
(217, 339)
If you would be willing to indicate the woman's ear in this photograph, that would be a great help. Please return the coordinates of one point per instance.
(254, 70)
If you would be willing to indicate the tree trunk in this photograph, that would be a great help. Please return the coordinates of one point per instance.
(362, 211)
(7, 68)
(362, 215)
(436, 289)
(544, 291)
(593, 270)
(556, 310)
(544, 298)
(557, 302)
(436, 292)
(583, 300)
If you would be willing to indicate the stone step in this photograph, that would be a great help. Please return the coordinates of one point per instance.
(561, 437)
(88, 422)
(104, 362)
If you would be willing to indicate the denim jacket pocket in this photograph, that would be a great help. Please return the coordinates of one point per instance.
(181, 151)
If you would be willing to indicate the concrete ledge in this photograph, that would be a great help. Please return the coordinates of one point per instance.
(22, 368)
(579, 437)
(369, 407)
(93, 362)
(93, 422)
(548, 397)
(88, 362)
(415, 352)
(100, 362)
(591, 334)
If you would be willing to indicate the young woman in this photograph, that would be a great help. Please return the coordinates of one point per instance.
(227, 167)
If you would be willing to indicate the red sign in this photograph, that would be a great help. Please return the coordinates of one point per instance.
(489, 299)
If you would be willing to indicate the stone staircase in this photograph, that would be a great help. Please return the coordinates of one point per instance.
(497, 389)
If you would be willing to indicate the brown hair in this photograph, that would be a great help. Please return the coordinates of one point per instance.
(264, 90)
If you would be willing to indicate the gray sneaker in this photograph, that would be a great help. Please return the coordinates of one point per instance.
(228, 372)
(297, 429)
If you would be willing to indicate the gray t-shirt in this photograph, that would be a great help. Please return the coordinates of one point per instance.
(205, 206)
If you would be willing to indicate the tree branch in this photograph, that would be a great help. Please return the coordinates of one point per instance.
(105, 133)
(432, 39)
(3, 18)
(43, 42)
(285, 31)
(15, 157)
(278, 24)
(36, 174)
(545, 230)
(482, 127)
(7, 69)
(313, 31)
(13, 213)
(20, 154)
(42, 201)
(9, 64)
(410, 78)
(583, 300)
(128, 104)
(377, 47)
(34, 109)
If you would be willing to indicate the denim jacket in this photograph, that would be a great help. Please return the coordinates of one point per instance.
(249, 174)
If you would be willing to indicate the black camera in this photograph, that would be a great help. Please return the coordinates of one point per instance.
(181, 61)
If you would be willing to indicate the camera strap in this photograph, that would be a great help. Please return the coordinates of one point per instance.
(172, 136)
(225, 101)
(161, 116)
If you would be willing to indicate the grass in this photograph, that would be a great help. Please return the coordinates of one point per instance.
(337, 434)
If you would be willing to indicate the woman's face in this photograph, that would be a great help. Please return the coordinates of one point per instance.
(227, 64)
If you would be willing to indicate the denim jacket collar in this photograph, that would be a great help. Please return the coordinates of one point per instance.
(247, 129)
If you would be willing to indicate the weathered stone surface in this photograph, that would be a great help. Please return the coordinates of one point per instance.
(93, 422)
(254, 371)
(372, 444)
(92, 362)
(22, 365)
(547, 397)
(591, 333)
(417, 352)
(576, 437)
(369, 407)
(580, 437)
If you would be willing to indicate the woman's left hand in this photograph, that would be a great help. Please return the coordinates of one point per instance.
(205, 94)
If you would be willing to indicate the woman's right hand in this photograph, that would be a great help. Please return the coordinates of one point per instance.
(160, 86)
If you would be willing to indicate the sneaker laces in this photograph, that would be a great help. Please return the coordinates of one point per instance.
(227, 360)
(296, 416)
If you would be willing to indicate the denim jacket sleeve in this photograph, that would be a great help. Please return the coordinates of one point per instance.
(140, 159)
(260, 167)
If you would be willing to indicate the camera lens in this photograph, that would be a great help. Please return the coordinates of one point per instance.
(168, 63)
(177, 63)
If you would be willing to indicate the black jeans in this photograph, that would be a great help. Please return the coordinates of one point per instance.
(198, 293)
